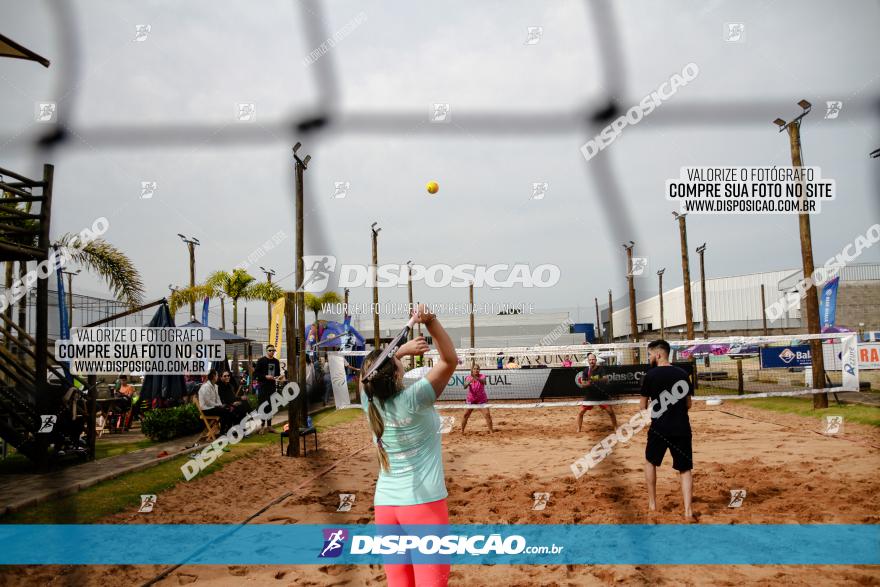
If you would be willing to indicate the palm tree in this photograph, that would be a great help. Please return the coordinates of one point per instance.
(237, 284)
(183, 297)
(317, 303)
(111, 264)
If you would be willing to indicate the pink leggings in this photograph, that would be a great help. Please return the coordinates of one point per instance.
(434, 512)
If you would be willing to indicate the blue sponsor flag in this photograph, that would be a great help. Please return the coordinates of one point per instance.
(828, 303)
(64, 328)
(205, 311)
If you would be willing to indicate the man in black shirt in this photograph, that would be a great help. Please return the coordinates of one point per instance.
(267, 373)
(594, 379)
(666, 391)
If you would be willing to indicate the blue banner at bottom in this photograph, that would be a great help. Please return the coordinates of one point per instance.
(271, 544)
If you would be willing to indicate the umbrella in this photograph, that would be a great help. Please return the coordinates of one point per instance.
(9, 48)
(166, 387)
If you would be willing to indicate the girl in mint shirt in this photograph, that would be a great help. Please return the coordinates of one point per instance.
(411, 488)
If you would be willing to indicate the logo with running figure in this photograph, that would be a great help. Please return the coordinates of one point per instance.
(832, 109)
(334, 541)
(833, 424)
(639, 265)
(317, 272)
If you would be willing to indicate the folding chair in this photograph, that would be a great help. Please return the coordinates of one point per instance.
(212, 423)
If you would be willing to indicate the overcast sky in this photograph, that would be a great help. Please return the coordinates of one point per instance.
(232, 187)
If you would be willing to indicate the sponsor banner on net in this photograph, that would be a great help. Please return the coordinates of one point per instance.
(750, 190)
(461, 544)
(159, 351)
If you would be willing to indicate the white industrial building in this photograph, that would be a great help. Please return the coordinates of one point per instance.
(734, 304)
(490, 330)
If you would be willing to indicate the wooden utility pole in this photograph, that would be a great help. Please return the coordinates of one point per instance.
(293, 408)
(662, 323)
(471, 288)
(269, 273)
(245, 322)
(409, 336)
(223, 311)
(299, 341)
(598, 321)
(701, 250)
(685, 274)
(409, 293)
(633, 325)
(820, 400)
(70, 275)
(610, 331)
(374, 233)
(763, 309)
(191, 244)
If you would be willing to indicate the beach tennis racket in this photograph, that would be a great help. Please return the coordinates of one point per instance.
(389, 350)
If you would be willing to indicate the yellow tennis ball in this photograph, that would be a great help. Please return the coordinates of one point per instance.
(433, 187)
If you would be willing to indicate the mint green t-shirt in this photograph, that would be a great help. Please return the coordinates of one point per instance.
(412, 441)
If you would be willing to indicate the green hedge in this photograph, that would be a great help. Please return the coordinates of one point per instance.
(167, 423)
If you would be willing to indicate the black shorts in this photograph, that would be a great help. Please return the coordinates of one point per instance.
(678, 445)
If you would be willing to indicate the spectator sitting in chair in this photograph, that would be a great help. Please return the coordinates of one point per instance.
(124, 387)
(226, 391)
(209, 401)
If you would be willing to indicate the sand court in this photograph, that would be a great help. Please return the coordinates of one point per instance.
(791, 472)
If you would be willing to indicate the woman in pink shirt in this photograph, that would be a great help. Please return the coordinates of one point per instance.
(476, 386)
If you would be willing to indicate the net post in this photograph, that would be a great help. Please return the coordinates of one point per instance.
(739, 376)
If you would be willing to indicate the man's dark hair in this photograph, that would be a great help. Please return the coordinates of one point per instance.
(659, 344)
(212, 374)
(592, 353)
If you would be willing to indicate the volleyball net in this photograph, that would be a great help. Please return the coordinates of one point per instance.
(558, 376)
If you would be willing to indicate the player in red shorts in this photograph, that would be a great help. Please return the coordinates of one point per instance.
(593, 379)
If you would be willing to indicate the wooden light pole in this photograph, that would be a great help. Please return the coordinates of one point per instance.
(701, 250)
(222, 297)
(820, 400)
(634, 328)
(409, 292)
(296, 337)
(598, 321)
(269, 273)
(374, 233)
(409, 336)
(70, 275)
(662, 323)
(471, 288)
(191, 244)
(763, 309)
(685, 274)
(610, 331)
